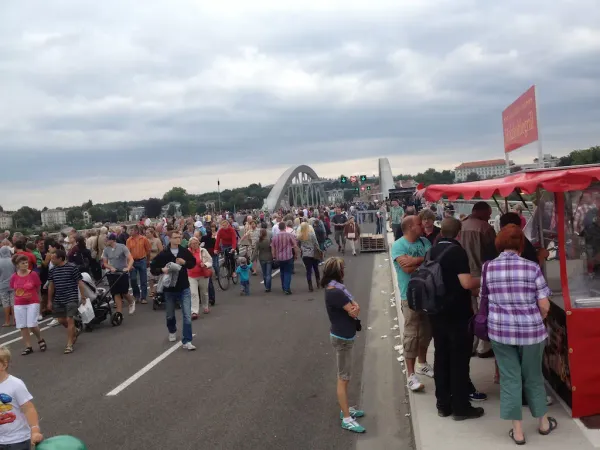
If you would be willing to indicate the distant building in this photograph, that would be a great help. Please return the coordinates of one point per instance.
(406, 184)
(335, 196)
(548, 160)
(87, 218)
(485, 169)
(136, 213)
(53, 217)
(6, 221)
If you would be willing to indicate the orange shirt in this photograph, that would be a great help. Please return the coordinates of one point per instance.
(139, 247)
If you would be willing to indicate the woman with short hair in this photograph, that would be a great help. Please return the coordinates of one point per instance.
(516, 294)
(343, 313)
(27, 286)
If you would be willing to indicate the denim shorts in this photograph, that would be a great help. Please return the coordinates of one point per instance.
(25, 445)
(343, 356)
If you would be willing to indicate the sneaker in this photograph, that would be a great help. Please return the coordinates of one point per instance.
(172, 337)
(53, 323)
(549, 400)
(354, 413)
(188, 346)
(425, 369)
(478, 396)
(40, 318)
(471, 413)
(132, 307)
(414, 384)
(352, 425)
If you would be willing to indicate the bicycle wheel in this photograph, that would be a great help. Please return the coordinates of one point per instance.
(234, 279)
(223, 278)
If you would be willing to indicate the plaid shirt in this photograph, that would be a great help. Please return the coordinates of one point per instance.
(513, 286)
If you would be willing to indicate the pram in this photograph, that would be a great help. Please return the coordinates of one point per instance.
(102, 302)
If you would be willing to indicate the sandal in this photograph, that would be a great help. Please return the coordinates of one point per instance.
(144, 302)
(29, 351)
(552, 425)
(42, 345)
(68, 349)
(5, 325)
(512, 436)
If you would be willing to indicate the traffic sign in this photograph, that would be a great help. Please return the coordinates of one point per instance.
(353, 179)
(363, 178)
(343, 180)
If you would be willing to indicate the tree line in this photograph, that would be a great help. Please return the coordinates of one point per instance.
(27, 219)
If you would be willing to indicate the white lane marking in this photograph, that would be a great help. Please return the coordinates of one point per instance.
(19, 338)
(136, 376)
(18, 331)
(273, 274)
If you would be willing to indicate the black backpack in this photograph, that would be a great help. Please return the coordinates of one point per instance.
(426, 288)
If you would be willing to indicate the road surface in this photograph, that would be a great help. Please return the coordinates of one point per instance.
(263, 376)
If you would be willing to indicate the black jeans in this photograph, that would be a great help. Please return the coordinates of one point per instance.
(311, 264)
(453, 345)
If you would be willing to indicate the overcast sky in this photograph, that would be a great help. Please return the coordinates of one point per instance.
(121, 100)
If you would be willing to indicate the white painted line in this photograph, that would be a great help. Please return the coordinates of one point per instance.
(272, 275)
(18, 331)
(19, 338)
(136, 376)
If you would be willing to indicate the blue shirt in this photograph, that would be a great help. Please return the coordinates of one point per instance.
(244, 272)
(403, 247)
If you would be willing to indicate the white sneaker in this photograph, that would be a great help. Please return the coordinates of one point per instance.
(549, 400)
(40, 318)
(132, 307)
(172, 337)
(414, 384)
(53, 323)
(189, 346)
(425, 369)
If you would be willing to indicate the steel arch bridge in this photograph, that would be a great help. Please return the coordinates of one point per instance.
(300, 185)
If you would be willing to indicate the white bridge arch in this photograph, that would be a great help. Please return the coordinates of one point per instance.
(301, 183)
(386, 179)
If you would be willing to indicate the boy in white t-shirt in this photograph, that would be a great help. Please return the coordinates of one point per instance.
(19, 425)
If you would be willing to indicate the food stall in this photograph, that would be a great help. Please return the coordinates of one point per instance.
(566, 223)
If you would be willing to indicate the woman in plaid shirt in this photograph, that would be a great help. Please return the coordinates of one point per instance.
(517, 294)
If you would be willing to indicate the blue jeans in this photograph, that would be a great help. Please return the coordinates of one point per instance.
(140, 267)
(216, 264)
(245, 287)
(285, 272)
(267, 270)
(185, 297)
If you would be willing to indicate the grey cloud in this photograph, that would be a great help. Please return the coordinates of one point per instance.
(170, 110)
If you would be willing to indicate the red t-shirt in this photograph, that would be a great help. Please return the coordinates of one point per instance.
(26, 288)
(31, 258)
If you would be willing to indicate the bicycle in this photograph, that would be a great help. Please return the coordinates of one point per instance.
(227, 270)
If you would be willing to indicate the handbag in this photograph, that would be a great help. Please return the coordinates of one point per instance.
(351, 235)
(319, 255)
(327, 243)
(479, 322)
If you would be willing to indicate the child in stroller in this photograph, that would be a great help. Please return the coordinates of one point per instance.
(102, 302)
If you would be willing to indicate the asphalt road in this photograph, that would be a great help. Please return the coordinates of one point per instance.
(263, 376)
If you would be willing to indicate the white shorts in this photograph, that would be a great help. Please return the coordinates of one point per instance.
(26, 316)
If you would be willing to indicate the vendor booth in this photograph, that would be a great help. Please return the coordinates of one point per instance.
(566, 223)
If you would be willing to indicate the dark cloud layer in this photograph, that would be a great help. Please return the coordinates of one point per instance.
(109, 87)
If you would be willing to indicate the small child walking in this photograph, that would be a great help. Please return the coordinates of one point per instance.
(243, 271)
(18, 417)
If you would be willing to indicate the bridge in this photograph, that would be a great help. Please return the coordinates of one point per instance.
(300, 185)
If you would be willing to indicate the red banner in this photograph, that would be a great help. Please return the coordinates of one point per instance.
(519, 122)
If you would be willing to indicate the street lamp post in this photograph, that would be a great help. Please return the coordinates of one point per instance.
(219, 190)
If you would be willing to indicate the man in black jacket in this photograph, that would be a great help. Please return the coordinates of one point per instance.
(450, 328)
(175, 253)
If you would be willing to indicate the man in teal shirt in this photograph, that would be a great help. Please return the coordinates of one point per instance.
(396, 215)
(408, 254)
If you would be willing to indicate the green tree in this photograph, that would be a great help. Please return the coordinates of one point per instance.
(1, 209)
(580, 157)
(87, 205)
(98, 214)
(74, 215)
(27, 217)
(473, 177)
(153, 207)
(176, 194)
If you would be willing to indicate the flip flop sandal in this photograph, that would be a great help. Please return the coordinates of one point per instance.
(512, 436)
(68, 349)
(42, 345)
(144, 302)
(5, 325)
(553, 424)
(27, 351)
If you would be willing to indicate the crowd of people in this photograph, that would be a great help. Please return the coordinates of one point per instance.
(489, 278)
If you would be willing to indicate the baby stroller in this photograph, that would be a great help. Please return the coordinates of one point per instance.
(101, 299)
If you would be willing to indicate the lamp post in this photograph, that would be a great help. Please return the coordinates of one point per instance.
(219, 190)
